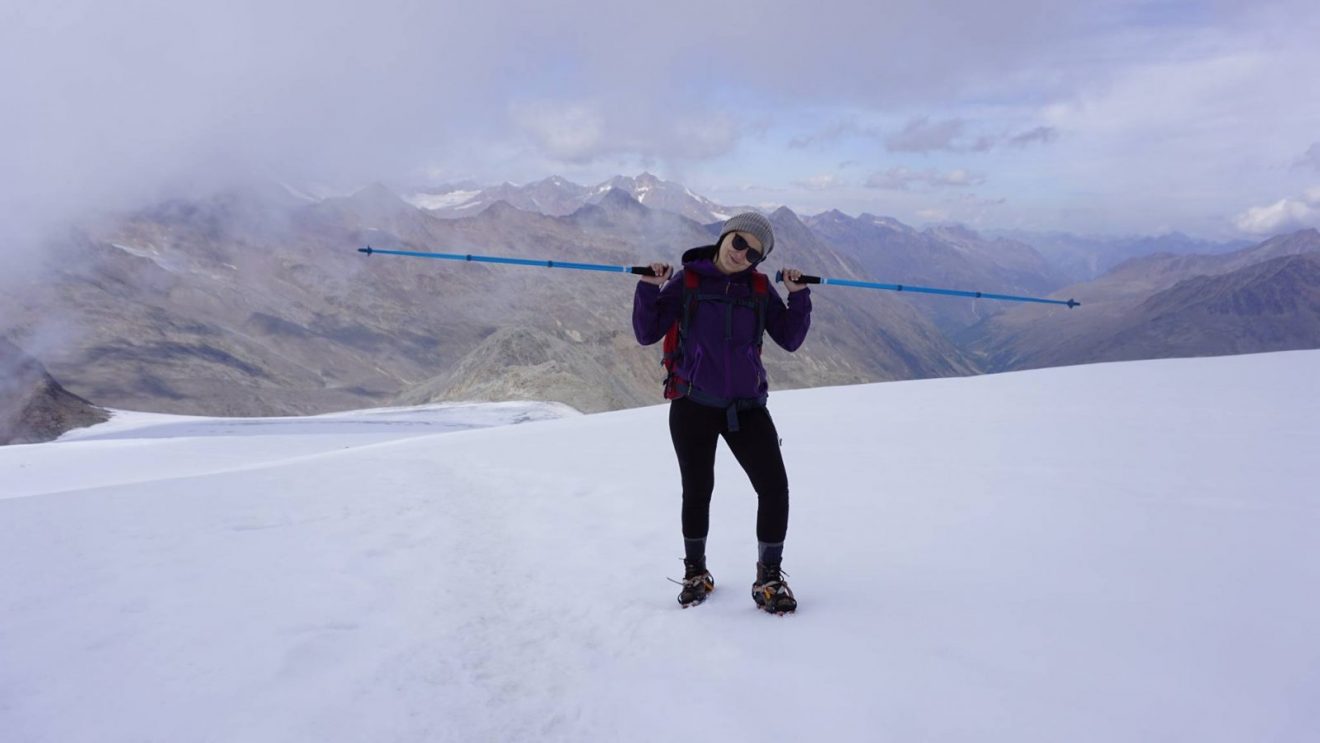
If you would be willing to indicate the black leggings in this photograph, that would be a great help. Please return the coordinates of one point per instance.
(695, 430)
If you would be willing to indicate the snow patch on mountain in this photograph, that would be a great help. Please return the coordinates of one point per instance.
(450, 200)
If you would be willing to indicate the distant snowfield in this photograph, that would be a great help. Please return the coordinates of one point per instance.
(137, 447)
(1116, 552)
(442, 200)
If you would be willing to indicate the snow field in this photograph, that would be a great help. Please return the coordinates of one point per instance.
(1118, 552)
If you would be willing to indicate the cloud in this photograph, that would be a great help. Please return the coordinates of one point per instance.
(1041, 135)
(902, 179)
(1310, 159)
(703, 136)
(579, 133)
(823, 182)
(973, 200)
(834, 133)
(1204, 118)
(923, 135)
(1284, 215)
(958, 178)
(112, 104)
(574, 133)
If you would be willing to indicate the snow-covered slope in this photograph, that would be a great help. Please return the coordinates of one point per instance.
(1118, 552)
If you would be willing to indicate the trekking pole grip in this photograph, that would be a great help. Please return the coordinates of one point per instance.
(804, 279)
(642, 271)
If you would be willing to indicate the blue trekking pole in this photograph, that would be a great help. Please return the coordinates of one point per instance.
(779, 276)
(641, 270)
(646, 271)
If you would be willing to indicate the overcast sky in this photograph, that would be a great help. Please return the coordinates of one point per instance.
(1128, 117)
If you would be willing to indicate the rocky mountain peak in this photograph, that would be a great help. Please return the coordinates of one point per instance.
(887, 222)
(556, 183)
(499, 209)
(1292, 243)
(834, 215)
(617, 198)
(784, 215)
(1301, 241)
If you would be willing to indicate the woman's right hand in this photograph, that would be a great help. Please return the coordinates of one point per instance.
(662, 273)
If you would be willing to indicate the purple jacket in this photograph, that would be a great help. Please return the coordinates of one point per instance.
(731, 368)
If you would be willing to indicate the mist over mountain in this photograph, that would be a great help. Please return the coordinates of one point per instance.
(255, 301)
(33, 406)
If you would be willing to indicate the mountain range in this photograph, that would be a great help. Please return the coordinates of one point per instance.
(556, 196)
(256, 302)
(1085, 257)
(1262, 298)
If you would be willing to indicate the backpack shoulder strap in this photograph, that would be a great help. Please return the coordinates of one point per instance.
(677, 335)
(691, 282)
(760, 283)
(760, 290)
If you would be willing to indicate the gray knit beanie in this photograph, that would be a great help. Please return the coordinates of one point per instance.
(753, 224)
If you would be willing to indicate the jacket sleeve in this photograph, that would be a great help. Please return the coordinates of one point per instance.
(656, 308)
(788, 325)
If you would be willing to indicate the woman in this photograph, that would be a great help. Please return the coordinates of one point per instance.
(721, 305)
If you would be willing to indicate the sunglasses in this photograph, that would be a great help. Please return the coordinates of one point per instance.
(739, 245)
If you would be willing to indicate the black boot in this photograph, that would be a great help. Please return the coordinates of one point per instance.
(697, 583)
(770, 592)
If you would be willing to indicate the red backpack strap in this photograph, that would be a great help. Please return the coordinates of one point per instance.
(760, 282)
(761, 290)
(673, 347)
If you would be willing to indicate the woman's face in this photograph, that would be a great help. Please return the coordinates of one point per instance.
(737, 254)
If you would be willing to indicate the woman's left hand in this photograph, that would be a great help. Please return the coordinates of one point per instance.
(791, 276)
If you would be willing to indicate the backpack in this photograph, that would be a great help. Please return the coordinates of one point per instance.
(676, 386)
